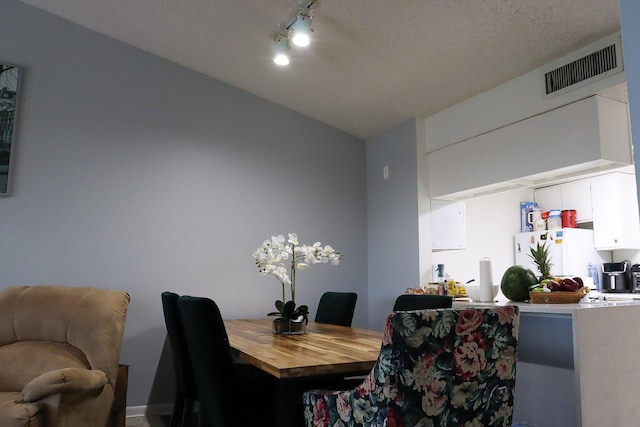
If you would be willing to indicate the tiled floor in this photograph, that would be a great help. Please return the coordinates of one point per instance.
(149, 421)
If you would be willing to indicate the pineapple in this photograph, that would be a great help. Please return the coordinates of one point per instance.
(540, 256)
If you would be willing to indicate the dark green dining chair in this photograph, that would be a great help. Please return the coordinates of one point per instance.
(336, 308)
(229, 396)
(410, 302)
(186, 393)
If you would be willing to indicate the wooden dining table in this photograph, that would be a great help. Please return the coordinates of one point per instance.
(324, 351)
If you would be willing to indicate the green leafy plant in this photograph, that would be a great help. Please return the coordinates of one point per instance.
(540, 256)
(289, 311)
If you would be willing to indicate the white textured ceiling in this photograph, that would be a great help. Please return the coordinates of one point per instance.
(372, 64)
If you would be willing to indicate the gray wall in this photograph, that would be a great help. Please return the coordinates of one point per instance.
(629, 18)
(134, 173)
(392, 209)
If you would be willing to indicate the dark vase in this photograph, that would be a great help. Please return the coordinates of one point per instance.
(282, 326)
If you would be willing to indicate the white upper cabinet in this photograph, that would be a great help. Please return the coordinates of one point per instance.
(616, 223)
(609, 201)
(577, 195)
(571, 195)
(448, 225)
(548, 198)
(587, 136)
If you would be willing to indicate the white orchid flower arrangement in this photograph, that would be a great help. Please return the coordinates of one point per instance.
(281, 259)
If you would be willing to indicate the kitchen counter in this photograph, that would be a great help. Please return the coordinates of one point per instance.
(525, 307)
(576, 362)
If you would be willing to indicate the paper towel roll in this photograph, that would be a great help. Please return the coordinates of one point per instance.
(486, 281)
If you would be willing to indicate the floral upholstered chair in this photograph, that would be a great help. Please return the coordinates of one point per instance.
(444, 367)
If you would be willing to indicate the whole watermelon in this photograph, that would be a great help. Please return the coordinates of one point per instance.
(516, 281)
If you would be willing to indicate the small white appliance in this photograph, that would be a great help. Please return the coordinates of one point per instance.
(571, 250)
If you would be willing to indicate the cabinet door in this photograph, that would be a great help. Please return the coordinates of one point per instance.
(548, 198)
(448, 225)
(572, 195)
(629, 211)
(615, 212)
(577, 195)
(606, 225)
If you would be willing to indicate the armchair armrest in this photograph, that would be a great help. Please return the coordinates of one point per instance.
(66, 380)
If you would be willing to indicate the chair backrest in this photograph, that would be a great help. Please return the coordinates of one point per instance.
(183, 368)
(454, 366)
(408, 302)
(436, 367)
(336, 308)
(212, 361)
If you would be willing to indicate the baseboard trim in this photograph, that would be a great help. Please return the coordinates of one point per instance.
(141, 411)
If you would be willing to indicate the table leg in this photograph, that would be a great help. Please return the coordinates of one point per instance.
(288, 404)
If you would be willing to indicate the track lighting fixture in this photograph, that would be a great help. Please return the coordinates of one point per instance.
(298, 31)
(281, 50)
(302, 30)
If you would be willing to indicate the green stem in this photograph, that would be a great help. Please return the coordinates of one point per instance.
(293, 274)
(283, 300)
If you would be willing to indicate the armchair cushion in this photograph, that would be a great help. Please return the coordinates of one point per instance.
(89, 319)
(59, 354)
(25, 367)
(16, 413)
(67, 380)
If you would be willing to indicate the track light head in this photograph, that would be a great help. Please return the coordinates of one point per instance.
(281, 50)
(302, 30)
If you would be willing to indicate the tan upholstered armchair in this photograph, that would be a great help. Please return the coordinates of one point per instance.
(59, 354)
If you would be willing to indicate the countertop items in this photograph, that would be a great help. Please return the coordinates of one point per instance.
(616, 297)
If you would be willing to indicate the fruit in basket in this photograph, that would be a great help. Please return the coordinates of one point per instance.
(564, 284)
(516, 281)
(563, 297)
(553, 285)
(569, 285)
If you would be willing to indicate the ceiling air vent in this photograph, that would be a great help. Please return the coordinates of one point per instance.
(589, 67)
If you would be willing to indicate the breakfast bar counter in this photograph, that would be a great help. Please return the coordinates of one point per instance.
(526, 307)
(577, 363)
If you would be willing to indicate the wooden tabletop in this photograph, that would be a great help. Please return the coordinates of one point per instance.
(324, 349)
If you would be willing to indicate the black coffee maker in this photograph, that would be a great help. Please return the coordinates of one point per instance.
(635, 275)
(616, 277)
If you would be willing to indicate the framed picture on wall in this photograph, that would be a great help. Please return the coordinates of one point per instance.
(9, 84)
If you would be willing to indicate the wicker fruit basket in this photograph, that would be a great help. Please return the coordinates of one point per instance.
(558, 297)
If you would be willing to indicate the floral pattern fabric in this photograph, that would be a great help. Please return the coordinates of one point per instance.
(444, 367)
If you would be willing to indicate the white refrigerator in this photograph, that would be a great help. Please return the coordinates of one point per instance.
(571, 250)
